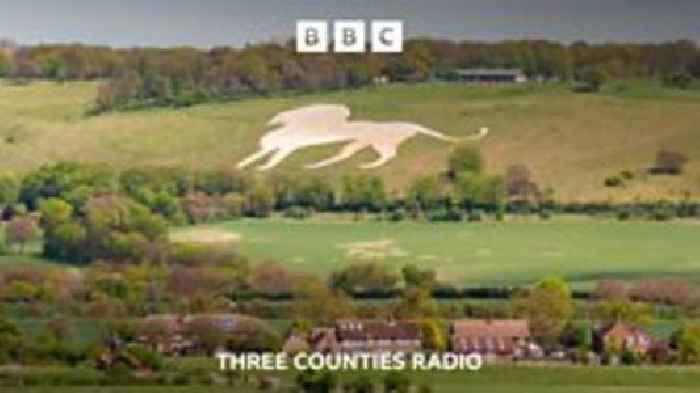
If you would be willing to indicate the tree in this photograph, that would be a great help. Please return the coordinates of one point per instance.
(425, 192)
(397, 382)
(10, 340)
(111, 227)
(256, 74)
(679, 80)
(361, 384)
(432, 336)
(624, 311)
(689, 343)
(259, 201)
(363, 192)
(548, 305)
(317, 381)
(71, 181)
(416, 303)
(479, 189)
(413, 276)
(21, 230)
(54, 68)
(271, 278)
(9, 188)
(519, 184)
(594, 78)
(316, 302)
(5, 64)
(465, 158)
(418, 59)
(610, 290)
(364, 277)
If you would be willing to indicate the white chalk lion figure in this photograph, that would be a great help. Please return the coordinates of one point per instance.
(321, 124)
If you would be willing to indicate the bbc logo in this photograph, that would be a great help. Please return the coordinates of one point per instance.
(349, 36)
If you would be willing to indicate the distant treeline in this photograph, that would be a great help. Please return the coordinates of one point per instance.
(183, 76)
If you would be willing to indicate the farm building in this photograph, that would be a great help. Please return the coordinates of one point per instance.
(175, 334)
(165, 333)
(322, 340)
(504, 338)
(378, 336)
(488, 75)
(358, 336)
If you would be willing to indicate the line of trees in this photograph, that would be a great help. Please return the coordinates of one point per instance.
(184, 76)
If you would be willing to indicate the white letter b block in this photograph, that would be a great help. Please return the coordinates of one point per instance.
(349, 36)
(312, 36)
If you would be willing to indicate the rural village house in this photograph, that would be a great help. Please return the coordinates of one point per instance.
(506, 338)
(358, 336)
(623, 337)
(173, 334)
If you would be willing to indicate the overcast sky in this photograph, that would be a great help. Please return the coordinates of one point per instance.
(208, 23)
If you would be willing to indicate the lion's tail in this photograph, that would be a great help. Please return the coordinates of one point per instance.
(480, 135)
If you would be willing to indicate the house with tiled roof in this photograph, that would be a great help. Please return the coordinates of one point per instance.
(319, 339)
(174, 334)
(355, 335)
(621, 336)
(503, 338)
(378, 336)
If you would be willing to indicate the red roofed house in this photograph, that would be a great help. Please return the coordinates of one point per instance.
(358, 336)
(500, 338)
(378, 336)
(173, 334)
(624, 337)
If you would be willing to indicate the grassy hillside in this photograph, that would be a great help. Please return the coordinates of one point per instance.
(570, 141)
(486, 253)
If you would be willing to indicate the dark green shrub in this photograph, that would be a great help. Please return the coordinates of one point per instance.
(613, 181)
(663, 212)
(425, 389)
(297, 212)
(361, 384)
(678, 80)
(624, 214)
(475, 215)
(545, 214)
(397, 382)
(397, 215)
(627, 175)
(500, 212)
(629, 358)
(181, 379)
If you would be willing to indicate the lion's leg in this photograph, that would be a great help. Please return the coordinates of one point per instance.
(344, 154)
(254, 157)
(279, 155)
(386, 152)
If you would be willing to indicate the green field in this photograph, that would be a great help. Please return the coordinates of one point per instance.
(570, 141)
(579, 250)
(548, 379)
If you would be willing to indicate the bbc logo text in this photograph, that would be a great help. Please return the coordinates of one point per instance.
(349, 36)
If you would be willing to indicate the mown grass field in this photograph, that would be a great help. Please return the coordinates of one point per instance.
(492, 379)
(570, 141)
(579, 250)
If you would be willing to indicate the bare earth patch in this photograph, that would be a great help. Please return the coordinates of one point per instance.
(380, 249)
(205, 236)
